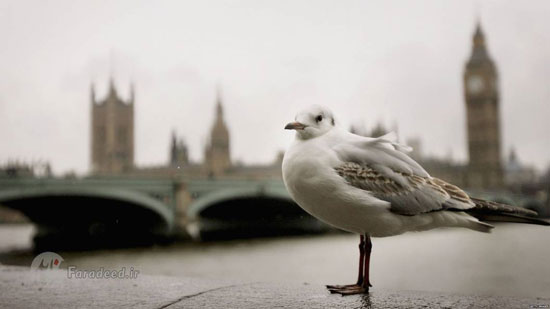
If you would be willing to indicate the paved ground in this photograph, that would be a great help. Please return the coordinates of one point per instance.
(21, 288)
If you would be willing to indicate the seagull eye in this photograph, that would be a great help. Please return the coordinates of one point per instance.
(319, 118)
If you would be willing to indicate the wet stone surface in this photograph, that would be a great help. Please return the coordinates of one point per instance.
(264, 295)
(21, 288)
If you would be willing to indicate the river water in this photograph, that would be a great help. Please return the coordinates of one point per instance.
(513, 260)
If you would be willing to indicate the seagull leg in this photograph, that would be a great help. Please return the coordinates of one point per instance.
(368, 248)
(358, 287)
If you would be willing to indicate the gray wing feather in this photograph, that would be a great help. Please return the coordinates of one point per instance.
(417, 195)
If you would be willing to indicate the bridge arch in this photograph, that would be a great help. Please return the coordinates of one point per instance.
(223, 195)
(249, 212)
(40, 203)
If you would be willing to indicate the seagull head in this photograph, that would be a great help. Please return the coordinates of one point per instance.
(312, 122)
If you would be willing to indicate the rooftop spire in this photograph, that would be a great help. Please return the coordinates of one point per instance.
(132, 92)
(479, 50)
(174, 138)
(92, 92)
(479, 37)
(112, 89)
(219, 108)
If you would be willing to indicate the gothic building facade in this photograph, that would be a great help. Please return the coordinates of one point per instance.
(483, 119)
(179, 155)
(112, 146)
(217, 156)
(112, 132)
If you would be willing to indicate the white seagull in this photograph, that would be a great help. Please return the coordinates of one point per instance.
(371, 187)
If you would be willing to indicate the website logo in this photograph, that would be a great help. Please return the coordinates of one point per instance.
(46, 260)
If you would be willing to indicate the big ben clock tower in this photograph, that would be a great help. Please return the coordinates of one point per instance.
(482, 113)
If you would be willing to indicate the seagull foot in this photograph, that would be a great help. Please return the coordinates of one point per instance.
(342, 286)
(350, 289)
(336, 286)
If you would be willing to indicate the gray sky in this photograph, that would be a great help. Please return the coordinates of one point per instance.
(391, 61)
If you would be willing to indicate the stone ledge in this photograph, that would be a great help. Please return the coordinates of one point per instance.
(21, 288)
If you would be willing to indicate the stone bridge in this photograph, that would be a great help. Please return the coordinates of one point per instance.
(157, 206)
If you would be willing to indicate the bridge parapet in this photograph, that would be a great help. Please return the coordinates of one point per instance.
(160, 189)
(178, 201)
(206, 193)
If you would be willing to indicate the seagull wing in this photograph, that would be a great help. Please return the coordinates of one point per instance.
(382, 154)
(419, 194)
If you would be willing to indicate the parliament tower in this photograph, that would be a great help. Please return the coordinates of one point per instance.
(217, 154)
(112, 130)
(483, 119)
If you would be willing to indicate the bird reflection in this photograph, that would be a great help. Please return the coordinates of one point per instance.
(365, 301)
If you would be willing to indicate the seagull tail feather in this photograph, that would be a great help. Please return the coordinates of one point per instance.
(498, 212)
(506, 217)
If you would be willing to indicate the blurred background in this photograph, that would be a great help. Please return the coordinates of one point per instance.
(150, 134)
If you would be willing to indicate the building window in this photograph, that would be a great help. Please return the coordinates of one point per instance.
(100, 131)
(121, 135)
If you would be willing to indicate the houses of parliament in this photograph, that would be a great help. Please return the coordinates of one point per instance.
(112, 140)
(112, 146)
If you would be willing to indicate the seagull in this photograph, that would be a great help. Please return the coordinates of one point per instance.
(371, 187)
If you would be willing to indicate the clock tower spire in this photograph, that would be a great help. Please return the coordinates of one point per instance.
(482, 115)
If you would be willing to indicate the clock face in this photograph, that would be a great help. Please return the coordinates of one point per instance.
(474, 84)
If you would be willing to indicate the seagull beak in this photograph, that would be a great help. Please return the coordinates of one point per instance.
(295, 126)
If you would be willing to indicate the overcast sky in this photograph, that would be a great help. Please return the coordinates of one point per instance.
(396, 62)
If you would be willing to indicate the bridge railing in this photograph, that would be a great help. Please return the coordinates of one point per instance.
(160, 189)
